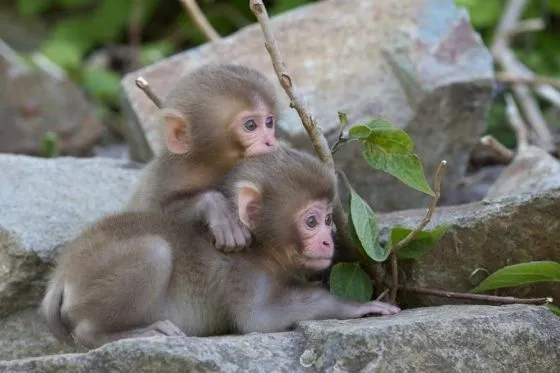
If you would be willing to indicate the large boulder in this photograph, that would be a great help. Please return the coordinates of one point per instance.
(439, 339)
(44, 203)
(417, 63)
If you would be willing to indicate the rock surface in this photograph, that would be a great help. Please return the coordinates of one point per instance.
(441, 339)
(33, 103)
(484, 235)
(417, 63)
(45, 203)
(533, 170)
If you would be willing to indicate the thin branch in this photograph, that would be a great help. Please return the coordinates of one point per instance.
(405, 241)
(472, 296)
(192, 8)
(512, 78)
(528, 25)
(318, 140)
(145, 87)
(517, 123)
(507, 59)
(502, 154)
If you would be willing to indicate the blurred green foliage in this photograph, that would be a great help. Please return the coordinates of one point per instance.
(80, 28)
(77, 28)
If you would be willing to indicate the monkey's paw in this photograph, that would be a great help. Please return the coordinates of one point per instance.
(230, 236)
(167, 328)
(379, 308)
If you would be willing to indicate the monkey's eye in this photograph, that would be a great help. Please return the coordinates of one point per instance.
(311, 221)
(250, 125)
(269, 122)
(328, 220)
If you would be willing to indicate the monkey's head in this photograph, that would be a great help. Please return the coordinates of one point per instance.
(225, 112)
(286, 199)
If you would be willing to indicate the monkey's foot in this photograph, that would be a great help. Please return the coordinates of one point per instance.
(166, 328)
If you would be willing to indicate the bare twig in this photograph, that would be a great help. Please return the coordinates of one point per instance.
(472, 296)
(502, 154)
(505, 56)
(135, 29)
(517, 123)
(318, 141)
(528, 25)
(145, 87)
(429, 212)
(511, 78)
(192, 8)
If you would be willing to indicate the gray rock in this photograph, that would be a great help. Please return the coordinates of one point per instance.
(440, 339)
(484, 235)
(417, 63)
(533, 170)
(33, 103)
(45, 203)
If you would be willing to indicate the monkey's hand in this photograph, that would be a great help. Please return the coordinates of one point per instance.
(229, 233)
(378, 308)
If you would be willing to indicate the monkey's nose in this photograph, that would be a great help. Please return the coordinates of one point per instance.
(326, 243)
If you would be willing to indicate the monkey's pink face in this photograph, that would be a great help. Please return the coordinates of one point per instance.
(314, 225)
(255, 130)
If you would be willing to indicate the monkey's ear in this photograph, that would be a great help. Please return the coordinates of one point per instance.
(248, 203)
(176, 132)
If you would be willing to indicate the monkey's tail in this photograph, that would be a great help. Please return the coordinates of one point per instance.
(51, 309)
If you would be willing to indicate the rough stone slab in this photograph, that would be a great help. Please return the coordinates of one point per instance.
(440, 339)
(44, 203)
(488, 235)
(417, 63)
(533, 170)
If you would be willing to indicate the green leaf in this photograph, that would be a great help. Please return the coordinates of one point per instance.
(366, 227)
(349, 281)
(422, 243)
(521, 274)
(63, 53)
(342, 119)
(33, 7)
(390, 149)
(49, 145)
(554, 308)
(102, 83)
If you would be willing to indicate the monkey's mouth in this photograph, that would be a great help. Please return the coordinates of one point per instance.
(318, 261)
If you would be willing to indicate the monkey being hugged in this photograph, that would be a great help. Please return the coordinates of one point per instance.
(213, 118)
(139, 274)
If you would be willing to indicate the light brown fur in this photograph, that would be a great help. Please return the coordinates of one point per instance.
(147, 273)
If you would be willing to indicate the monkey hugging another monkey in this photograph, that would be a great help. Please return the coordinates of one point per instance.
(156, 271)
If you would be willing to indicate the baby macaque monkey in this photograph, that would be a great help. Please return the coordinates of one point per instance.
(138, 274)
(213, 118)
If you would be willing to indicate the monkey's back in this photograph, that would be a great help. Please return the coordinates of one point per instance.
(197, 282)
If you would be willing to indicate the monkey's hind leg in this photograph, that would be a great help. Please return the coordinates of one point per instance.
(120, 296)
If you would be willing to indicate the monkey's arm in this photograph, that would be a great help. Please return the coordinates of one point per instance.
(304, 303)
(214, 210)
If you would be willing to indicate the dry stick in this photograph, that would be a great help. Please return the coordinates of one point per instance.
(318, 141)
(502, 154)
(512, 78)
(516, 123)
(429, 212)
(145, 87)
(506, 58)
(200, 19)
(471, 296)
(528, 25)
